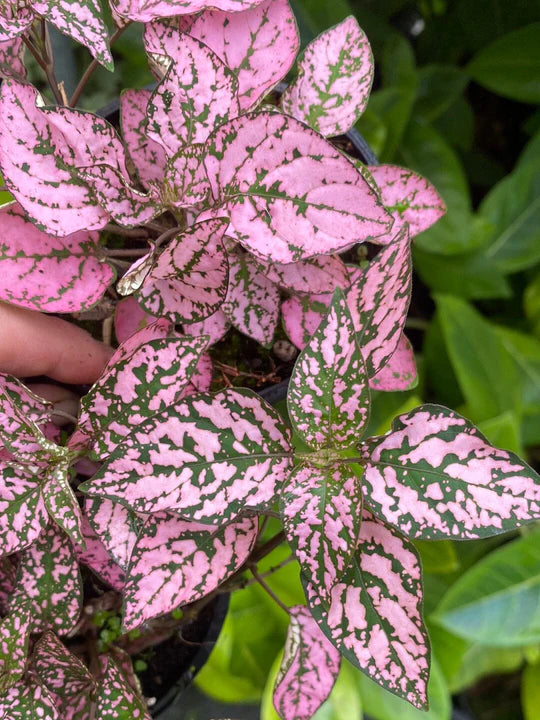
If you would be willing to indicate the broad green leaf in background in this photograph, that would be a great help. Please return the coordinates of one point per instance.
(439, 86)
(503, 431)
(437, 556)
(531, 303)
(482, 21)
(456, 124)
(497, 602)
(510, 65)
(530, 692)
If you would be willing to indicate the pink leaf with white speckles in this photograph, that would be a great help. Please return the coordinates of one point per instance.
(252, 302)
(11, 58)
(321, 274)
(302, 315)
(308, 670)
(116, 527)
(27, 700)
(48, 579)
(61, 502)
(130, 318)
(116, 699)
(335, 75)
(212, 457)
(321, 510)
(14, 636)
(399, 373)
(216, 327)
(62, 673)
(328, 396)
(41, 272)
(434, 475)
(97, 558)
(175, 562)
(142, 384)
(52, 144)
(409, 197)
(188, 281)
(245, 41)
(374, 614)
(378, 300)
(289, 192)
(146, 10)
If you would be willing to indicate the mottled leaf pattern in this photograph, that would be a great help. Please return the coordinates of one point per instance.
(14, 636)
(321, 509)
(334, 80)
(175, 562)
(318, 275)
(434, 475)
(156, 330)
(116, 527)
(147, 156)
(146, 10)
(379, 299)
(96, 557)
(308, 670)
(60, 671)
(399, 373)
(374, 615)
(28, 701)
(61, 502)
(41, 272)
(11, 57)
(22, 508)
(212, 457)
(201, 380)
(49, 579)
(215, 327)
(328, 396)
(185, 183)
(130, 318)
(116, 699)
(188, 281)
(246, 41)
(409, 197)
(302, 315)
(252, 302)
(289, 192)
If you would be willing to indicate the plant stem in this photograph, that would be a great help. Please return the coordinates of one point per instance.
(49, 63)
(127, 252)
(126, 232)
(65, 415)
(417, 324)
(269, 545)
(268, 590)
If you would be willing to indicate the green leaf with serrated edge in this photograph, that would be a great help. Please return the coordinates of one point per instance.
(116, 698)
(14, 636)
(59, 670)
(139, 386)
(22, 510)
(321, 510)
(27, 700)
(208, 458)
(328, 396)
(61, 502)
(374, 614)
(116, 526)
(434, 475)
(48, 578)
(497, 601)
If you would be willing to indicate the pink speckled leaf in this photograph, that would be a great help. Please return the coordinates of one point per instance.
(22, 510)
(328, 396)
(35, 408)
(290, 193)
(374, 615)
(434, 475)
(252, 302)
(116, 527)
(23, 417)
(15, 19)
(399, 373)
(246, 41)
(185, 183)
(198, 93)
(140, 385)
(321, 510)
(302, 315)
(147, 156)
(48, 578)
(378, 300)
(188, 281)
(321, 274)
(116, 699)
(96, 557)
(27, 700)
(51, 145)
(201, 380)
(146, 10)
(308, 670)
(175, 562)
(157, 330)
(41, 272)
(61, 502)
(409, 197)
(211, 458)
(14, 636)
(81, 20)
(61, 672)
(11, 58)
(215, 327)
(335, 74)
(129, 318)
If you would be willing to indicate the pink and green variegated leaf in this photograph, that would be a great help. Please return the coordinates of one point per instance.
(185, 183)
(34, 407)
(215, 327)
(61, 671)
(321, 274)
(61, 502)
(302, 315)
(175, 562)
(252, 302)
(22, 510)
(48, 578)
(51, 145)
(209, 458)
(188, 281)
(27, 700)
(11, 58)
(116, 699)
(198, 93)
(81, 20)
(245, 42)
(374, 615)
(434, 475)
(409, 197)
(130, 318)
(147, 156)
(14, 636)
(147, 10)
(289, 192)
(335, 74)
(42, 272)
(97, 558)
(139, 386)
(8, 572)
(308, 670)
(201, 380)
(157, 330)
(399, 373)
(378, 300)
(328, 396)
(321, 510)
(116, 527)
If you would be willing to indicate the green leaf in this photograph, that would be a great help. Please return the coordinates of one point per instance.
(503, 431)
(438, 556)
(439, 87)
(510, 65)
(531, 302)
(530, 692)
(456, 124)
(497, 602)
